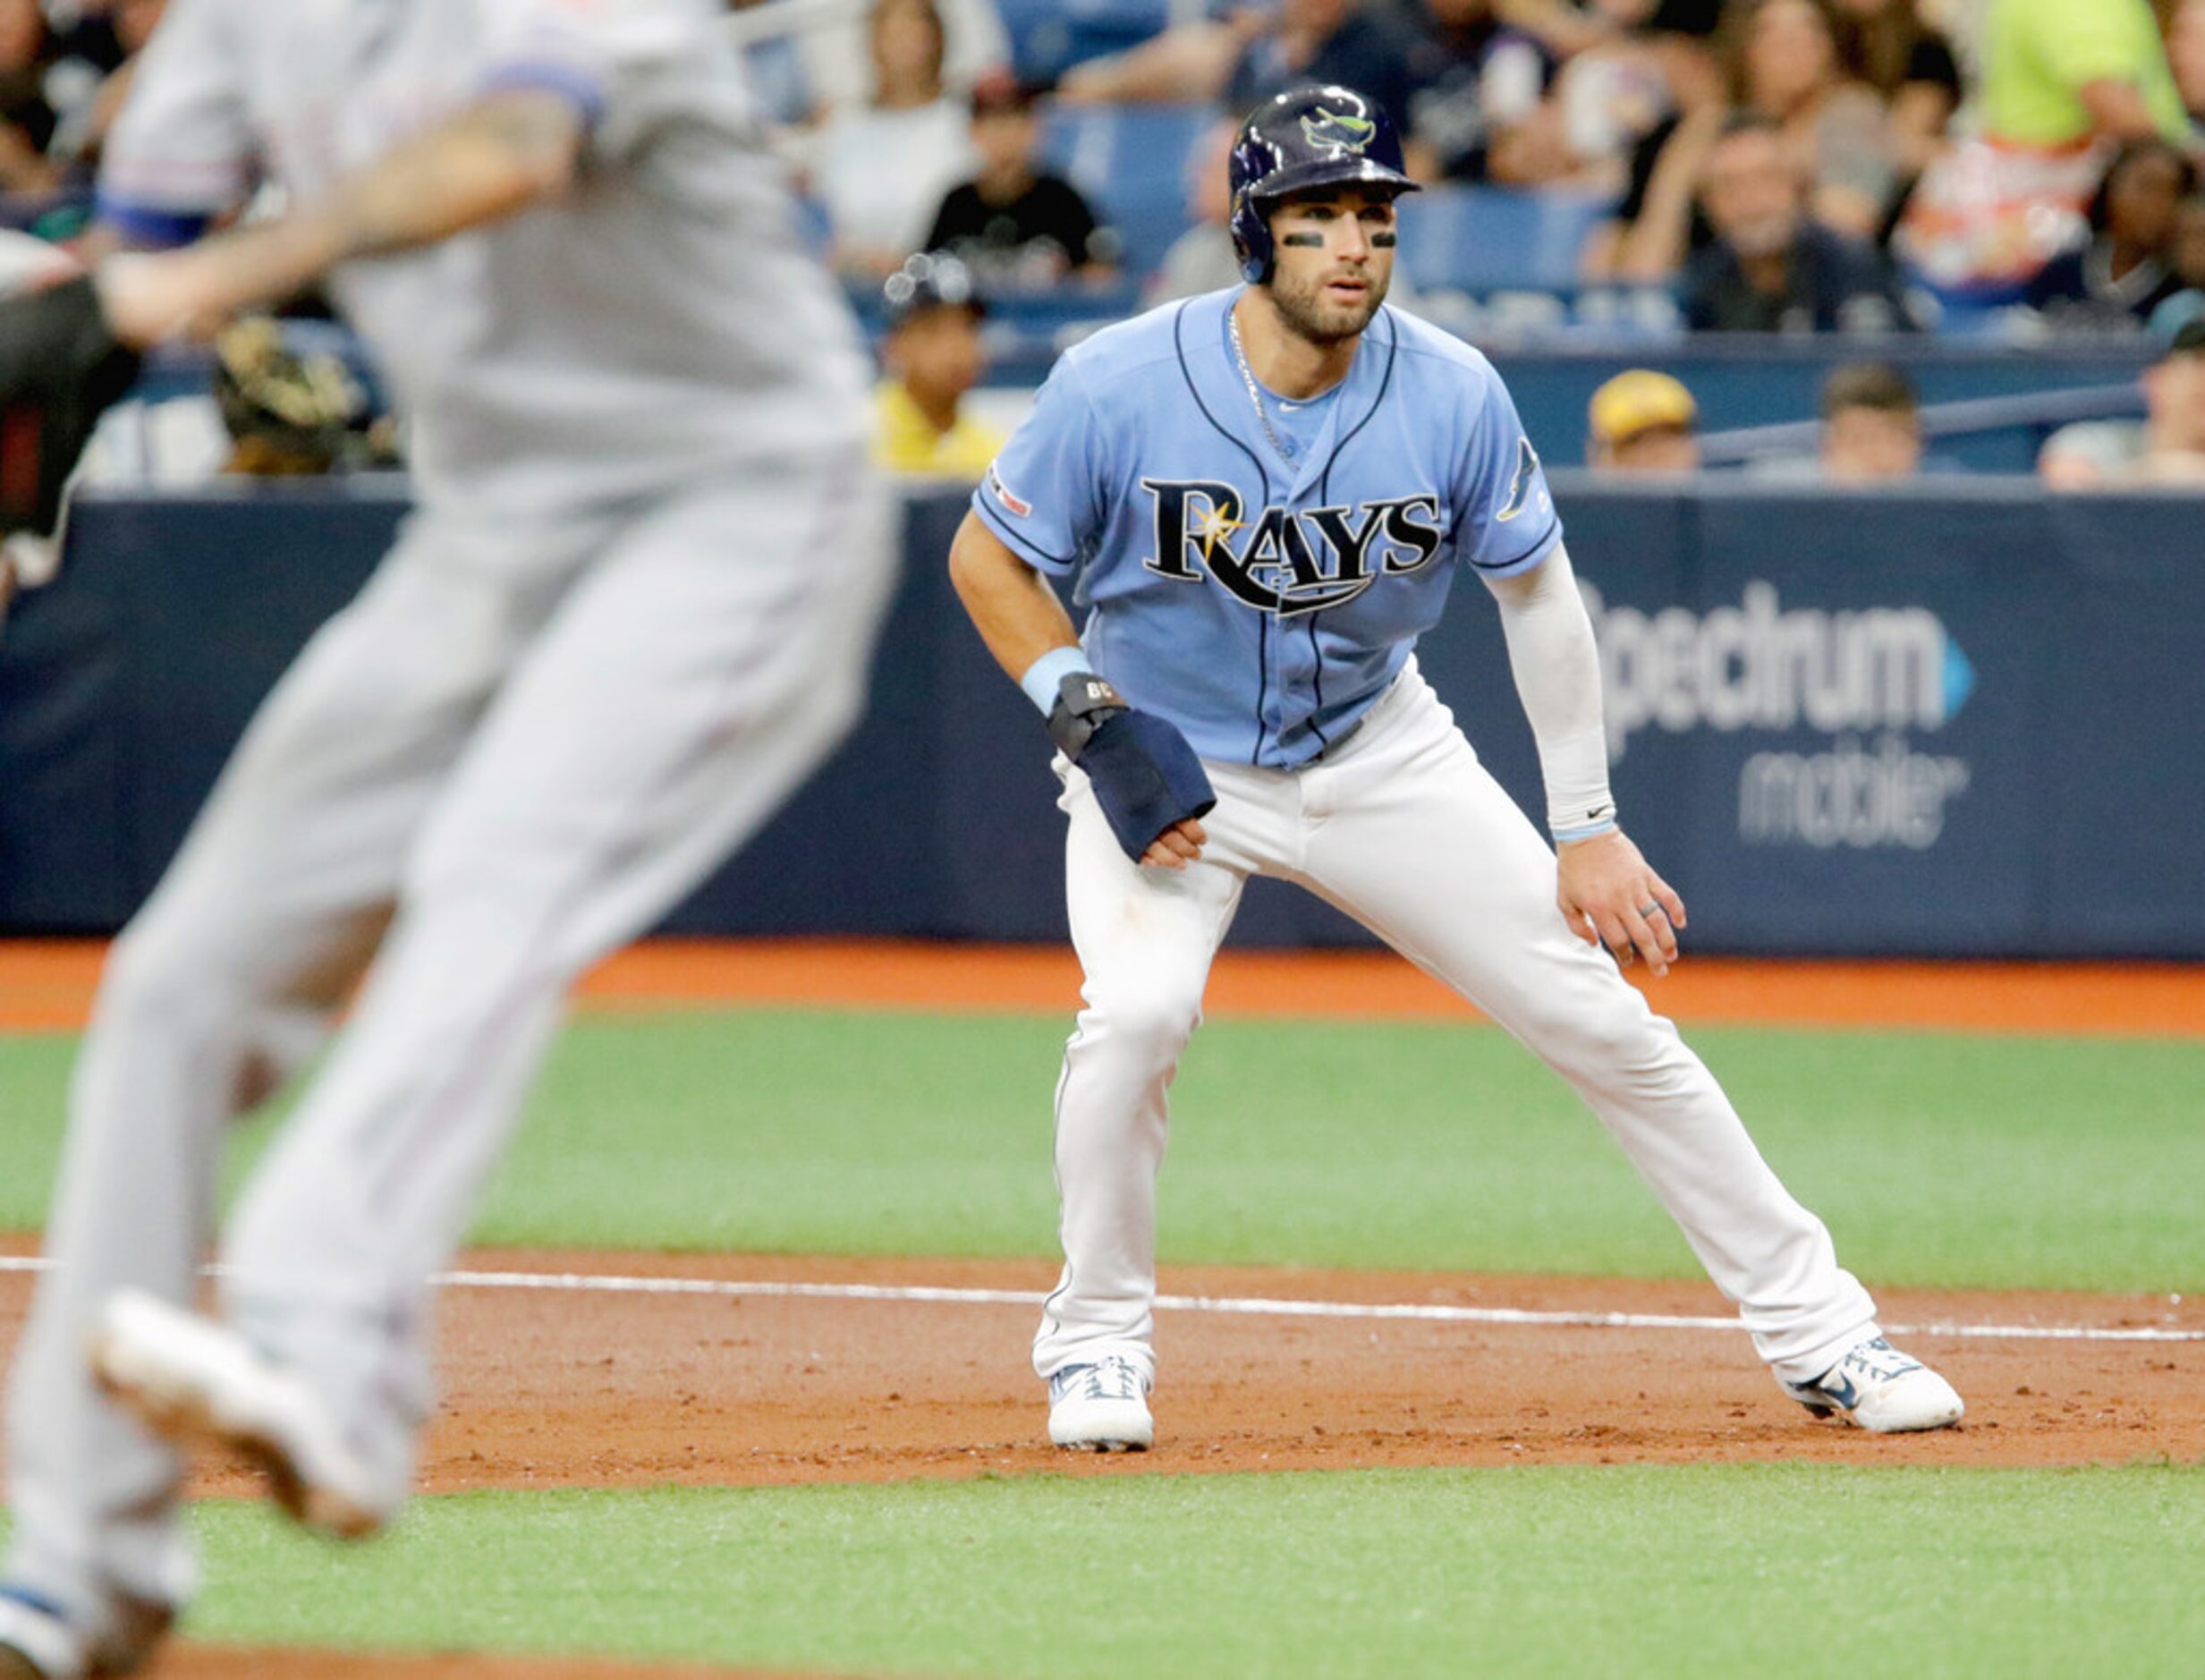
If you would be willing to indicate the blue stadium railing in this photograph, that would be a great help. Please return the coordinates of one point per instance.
(1740, 380)
(2021, 423)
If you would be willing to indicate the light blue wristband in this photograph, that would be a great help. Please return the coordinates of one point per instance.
(1585, 831)
(1046, 675)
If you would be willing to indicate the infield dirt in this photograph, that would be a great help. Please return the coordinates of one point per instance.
(573, 1387)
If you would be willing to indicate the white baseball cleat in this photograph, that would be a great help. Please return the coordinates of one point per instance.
(189, 1379)
(1102, 1407)
(37, 1642)
(1883, 1390)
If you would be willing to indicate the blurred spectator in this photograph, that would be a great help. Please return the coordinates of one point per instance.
(1570, 26)
(82, 49)
(1871, 424)
(2125, 270)
(1658, 223)
(2061, 82)
(1486, 77)
(1779, 61)
(933, 357)
(2058, 73)
(1013, 223)
(1203, 258)
(26, 121)
(1606, 98)
(1345, 41)
(1642, 421)
(1911, 67)
(1771, 267)
(1187, 64)
(841, 72)
(1833, 126)
(1194, 61)
(2167, 448)
(881, 169)
(2189, 263)
(2185, 56)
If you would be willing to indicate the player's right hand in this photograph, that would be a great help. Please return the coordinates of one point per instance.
(1150, 785)
(1177, 846)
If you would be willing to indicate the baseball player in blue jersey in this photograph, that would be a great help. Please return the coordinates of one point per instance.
(1265, 496)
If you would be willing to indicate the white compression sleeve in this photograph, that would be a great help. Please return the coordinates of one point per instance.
(1558, 670)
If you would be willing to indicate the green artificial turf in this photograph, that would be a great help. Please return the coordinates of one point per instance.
(1936, 1159)
(1649, 1570)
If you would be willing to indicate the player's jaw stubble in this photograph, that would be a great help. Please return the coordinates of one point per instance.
(1312, 316)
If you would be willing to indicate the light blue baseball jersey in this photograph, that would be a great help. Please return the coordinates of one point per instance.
(1263, 604)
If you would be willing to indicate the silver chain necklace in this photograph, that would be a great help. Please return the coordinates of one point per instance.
(1255, 395)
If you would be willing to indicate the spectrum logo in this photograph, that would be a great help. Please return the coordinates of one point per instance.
(1885, 673)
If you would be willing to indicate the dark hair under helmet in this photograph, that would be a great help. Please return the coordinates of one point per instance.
(1307, 137)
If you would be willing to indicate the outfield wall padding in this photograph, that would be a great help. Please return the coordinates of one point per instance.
(1954, 719)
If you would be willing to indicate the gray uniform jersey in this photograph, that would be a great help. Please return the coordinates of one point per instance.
(664, 324)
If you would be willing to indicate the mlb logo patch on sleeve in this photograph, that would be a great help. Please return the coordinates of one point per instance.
(1001, 491)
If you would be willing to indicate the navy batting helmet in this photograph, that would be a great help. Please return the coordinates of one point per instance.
(1308, 137)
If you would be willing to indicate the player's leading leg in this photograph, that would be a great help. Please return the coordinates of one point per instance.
(219, 987)
(711, 657)
(1424, 847)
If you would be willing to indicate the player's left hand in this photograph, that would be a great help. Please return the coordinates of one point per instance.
(1610, 895)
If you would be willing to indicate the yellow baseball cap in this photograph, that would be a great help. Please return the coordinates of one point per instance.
(1639, 401)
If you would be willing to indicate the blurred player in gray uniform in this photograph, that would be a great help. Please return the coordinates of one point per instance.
(631, 614)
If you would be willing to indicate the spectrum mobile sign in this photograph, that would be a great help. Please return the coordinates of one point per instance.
(1870, 681)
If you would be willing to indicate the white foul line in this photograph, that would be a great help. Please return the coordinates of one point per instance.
(1256, 1306)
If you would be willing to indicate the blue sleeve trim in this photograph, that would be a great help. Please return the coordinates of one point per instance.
(585, 91)
(1529, 557)
(142, 224)
(1037, 557)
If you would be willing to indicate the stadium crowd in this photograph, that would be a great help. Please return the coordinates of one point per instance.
(2024, 168)
(2027, 169)
(1940, 146)
(65, 68)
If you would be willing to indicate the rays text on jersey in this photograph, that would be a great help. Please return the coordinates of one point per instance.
(1282, 561)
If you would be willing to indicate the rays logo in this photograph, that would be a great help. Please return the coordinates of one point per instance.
(1520, 487)
(1283, 561)
(1338, 132)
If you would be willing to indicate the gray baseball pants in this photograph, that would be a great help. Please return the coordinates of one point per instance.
(521, 746)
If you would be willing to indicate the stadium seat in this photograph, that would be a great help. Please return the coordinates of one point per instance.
(1489, 239)
(1049, 37)
(1130, 161)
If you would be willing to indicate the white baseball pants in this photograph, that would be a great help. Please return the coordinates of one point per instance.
(1405, 830)
(527, 744)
